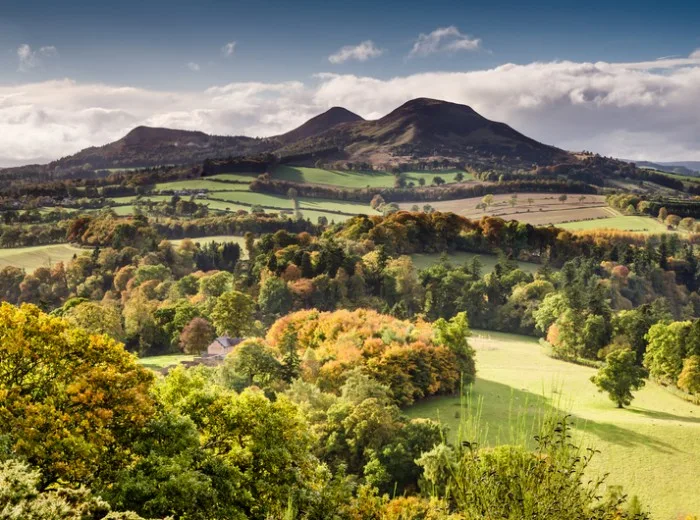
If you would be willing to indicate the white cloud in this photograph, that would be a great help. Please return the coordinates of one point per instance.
(362, 52)
(29, 59)
(194, 67)
(695, 54)
(644, 110)
(228, 49)
(443, 39)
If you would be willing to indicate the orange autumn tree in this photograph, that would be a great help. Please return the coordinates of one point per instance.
(404, 356)
(69, 401)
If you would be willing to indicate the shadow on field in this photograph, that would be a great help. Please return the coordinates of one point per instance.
(664, 416)
(510, 410)
(621, 436)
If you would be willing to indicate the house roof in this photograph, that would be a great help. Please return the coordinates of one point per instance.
(226, 341)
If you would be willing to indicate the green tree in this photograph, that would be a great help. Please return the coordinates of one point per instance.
(275, 298)
(619, 376)
(256, 361)
(453, 334)
(689, 379)
(233, 314)
(291, 362)
(666, 350)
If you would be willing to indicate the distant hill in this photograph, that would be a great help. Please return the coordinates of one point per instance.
(691, 168)
(319, 124)
(430, 129)
(419, 130)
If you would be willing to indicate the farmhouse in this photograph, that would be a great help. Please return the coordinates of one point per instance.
(222, 345)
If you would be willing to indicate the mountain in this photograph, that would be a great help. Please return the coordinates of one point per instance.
(429, 129)
(319, 124)
(418, 131)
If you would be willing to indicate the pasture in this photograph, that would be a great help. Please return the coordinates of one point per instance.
(358, 179)
(533, 208)
(168, 360)
(31, 258)
(652, 447)
(622, 223)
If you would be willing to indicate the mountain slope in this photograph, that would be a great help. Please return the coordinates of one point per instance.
(429, 128)
(319, 124)
(147, 146)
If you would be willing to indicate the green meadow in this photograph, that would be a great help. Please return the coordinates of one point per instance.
(30, 258)
(623, 223)
(652, 447)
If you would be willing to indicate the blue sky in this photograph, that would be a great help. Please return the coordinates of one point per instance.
(621, 78)
(150, 42)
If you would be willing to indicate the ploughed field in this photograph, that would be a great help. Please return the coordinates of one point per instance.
(534, 208)
(652, 447)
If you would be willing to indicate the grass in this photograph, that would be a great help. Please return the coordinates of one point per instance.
(652, 448)
(423, 260)
(355, 179)
(30, 258)
(623, 223)
(200, 184)
(159, 362)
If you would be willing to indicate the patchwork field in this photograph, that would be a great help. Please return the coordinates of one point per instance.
(652, 447)
(31, 258)
(533, 208)
(353, 179)
(423, 260)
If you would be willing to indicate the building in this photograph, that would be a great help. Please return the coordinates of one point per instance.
(222, 345)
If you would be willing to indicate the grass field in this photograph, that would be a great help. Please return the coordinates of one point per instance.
(623, 223)
(423, 260)
(158, 362)
(30, 258)
(352, 179)
(201, 184)
(652, 447)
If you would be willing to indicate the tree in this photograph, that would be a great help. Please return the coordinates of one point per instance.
(563, 197)
(663, 213)
(438, 181)
(70, 400)
(459, 177)
(453, 334)
(291, 362)
(619, 376)
(672, 221)
(665, 350)
(233, 314)
(256, 361)
(689, 379)
(513, 200)
(487, 200)
(196, 336)
(275, 298)
(377, 202)
(97, 318)
(421, 181)
(21, 498)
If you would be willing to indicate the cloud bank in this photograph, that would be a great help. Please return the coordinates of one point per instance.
(645, 110)
(29, 58)
(362, 52)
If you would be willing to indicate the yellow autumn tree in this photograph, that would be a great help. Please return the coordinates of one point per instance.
(69, 400)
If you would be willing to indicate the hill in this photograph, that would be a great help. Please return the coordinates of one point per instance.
(434, 130)
(691, 168)
(319, 124)
(420, 130)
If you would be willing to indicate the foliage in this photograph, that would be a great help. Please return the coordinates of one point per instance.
(71, 401)
(619, 376)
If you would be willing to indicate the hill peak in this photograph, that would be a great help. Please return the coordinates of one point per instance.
(148, 134)
(330, 118)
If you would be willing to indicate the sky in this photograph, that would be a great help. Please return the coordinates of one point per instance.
(619, 78)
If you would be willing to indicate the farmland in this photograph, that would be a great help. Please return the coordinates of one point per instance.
(622, 223)
(650, 447)
(31, 258)
(358, 179)
(533, 208)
